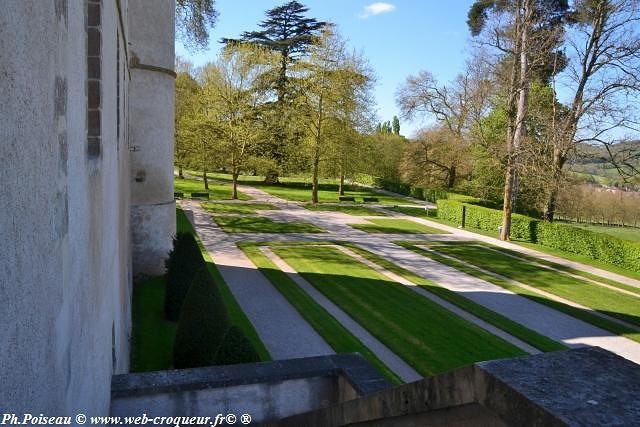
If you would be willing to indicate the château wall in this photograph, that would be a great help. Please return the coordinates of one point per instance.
(66, 159)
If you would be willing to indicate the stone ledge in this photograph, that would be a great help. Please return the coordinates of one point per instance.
(360, 374)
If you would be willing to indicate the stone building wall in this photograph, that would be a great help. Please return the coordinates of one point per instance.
(66, 93)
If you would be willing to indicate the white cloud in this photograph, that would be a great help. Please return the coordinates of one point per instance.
(377, 9)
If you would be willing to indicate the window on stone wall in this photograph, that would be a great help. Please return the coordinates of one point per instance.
(94, 70)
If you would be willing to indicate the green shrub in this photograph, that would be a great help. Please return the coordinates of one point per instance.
(202, 326)
(185, 259)
(236, 348)
(522, 227)
(450, 210)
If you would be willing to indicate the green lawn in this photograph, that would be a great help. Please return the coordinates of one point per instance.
(599, 298)
(237, 208)
(347, 209)
(152, 335)
(533, 338)
(216, 191)
(578, 313)
(339, 338)
(425, 335)
(414, 211)
(396, 226)
(564, 268)
(256, 224)
(624, 233)
(236, 315)
(527, 244)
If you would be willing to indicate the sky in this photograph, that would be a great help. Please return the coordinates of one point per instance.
(399, 38)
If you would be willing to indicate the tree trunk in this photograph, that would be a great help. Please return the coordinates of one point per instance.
(314, 190)
(205, 179)
(180, 174)
(341, 188)
(519, 133)
(272, 177)
(451, 179)
(234, 177)
(558, 162)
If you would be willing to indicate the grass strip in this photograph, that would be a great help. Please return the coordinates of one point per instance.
(336, 335)
(236, 315)
(236, 208)
(583, 259)
(428, 337)
(578, 313)
(152, 334)
(561, 267)
(257, 224)
(396, 226)
(347, 209)
(604, 300)
(519, 331)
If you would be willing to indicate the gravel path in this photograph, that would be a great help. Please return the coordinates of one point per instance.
(282, 329)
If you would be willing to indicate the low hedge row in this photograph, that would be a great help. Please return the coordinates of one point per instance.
(428, 194)
(555, 235)
(598, 246)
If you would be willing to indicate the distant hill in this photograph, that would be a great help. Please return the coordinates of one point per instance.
(593, 163)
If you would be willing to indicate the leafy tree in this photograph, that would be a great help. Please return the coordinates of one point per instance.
(193, 20)
(232, 99)
(530, 28)
(334, 85)
(603, 85)
(396, 125)
(289, 32)
(186, 104)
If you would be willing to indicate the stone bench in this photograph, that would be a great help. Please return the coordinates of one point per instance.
(200, 195)
(370, 200)
(347, 199)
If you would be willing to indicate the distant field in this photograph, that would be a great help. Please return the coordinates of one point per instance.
(626, 233)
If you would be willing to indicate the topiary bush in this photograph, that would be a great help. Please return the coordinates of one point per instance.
(236, 348)
(185, 260)
(203, 324)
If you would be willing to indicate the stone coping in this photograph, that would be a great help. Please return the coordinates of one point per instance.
(362, 376)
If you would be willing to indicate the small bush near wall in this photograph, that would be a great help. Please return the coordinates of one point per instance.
(202, 326)
(235, 348)
(185, 260)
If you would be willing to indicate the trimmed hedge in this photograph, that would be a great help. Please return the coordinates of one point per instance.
(427, 194)
(599, 246)
(555, 235)
(235, 348)
(185, 260)
(202, 326)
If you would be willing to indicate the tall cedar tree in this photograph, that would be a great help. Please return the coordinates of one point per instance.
(287, 31)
